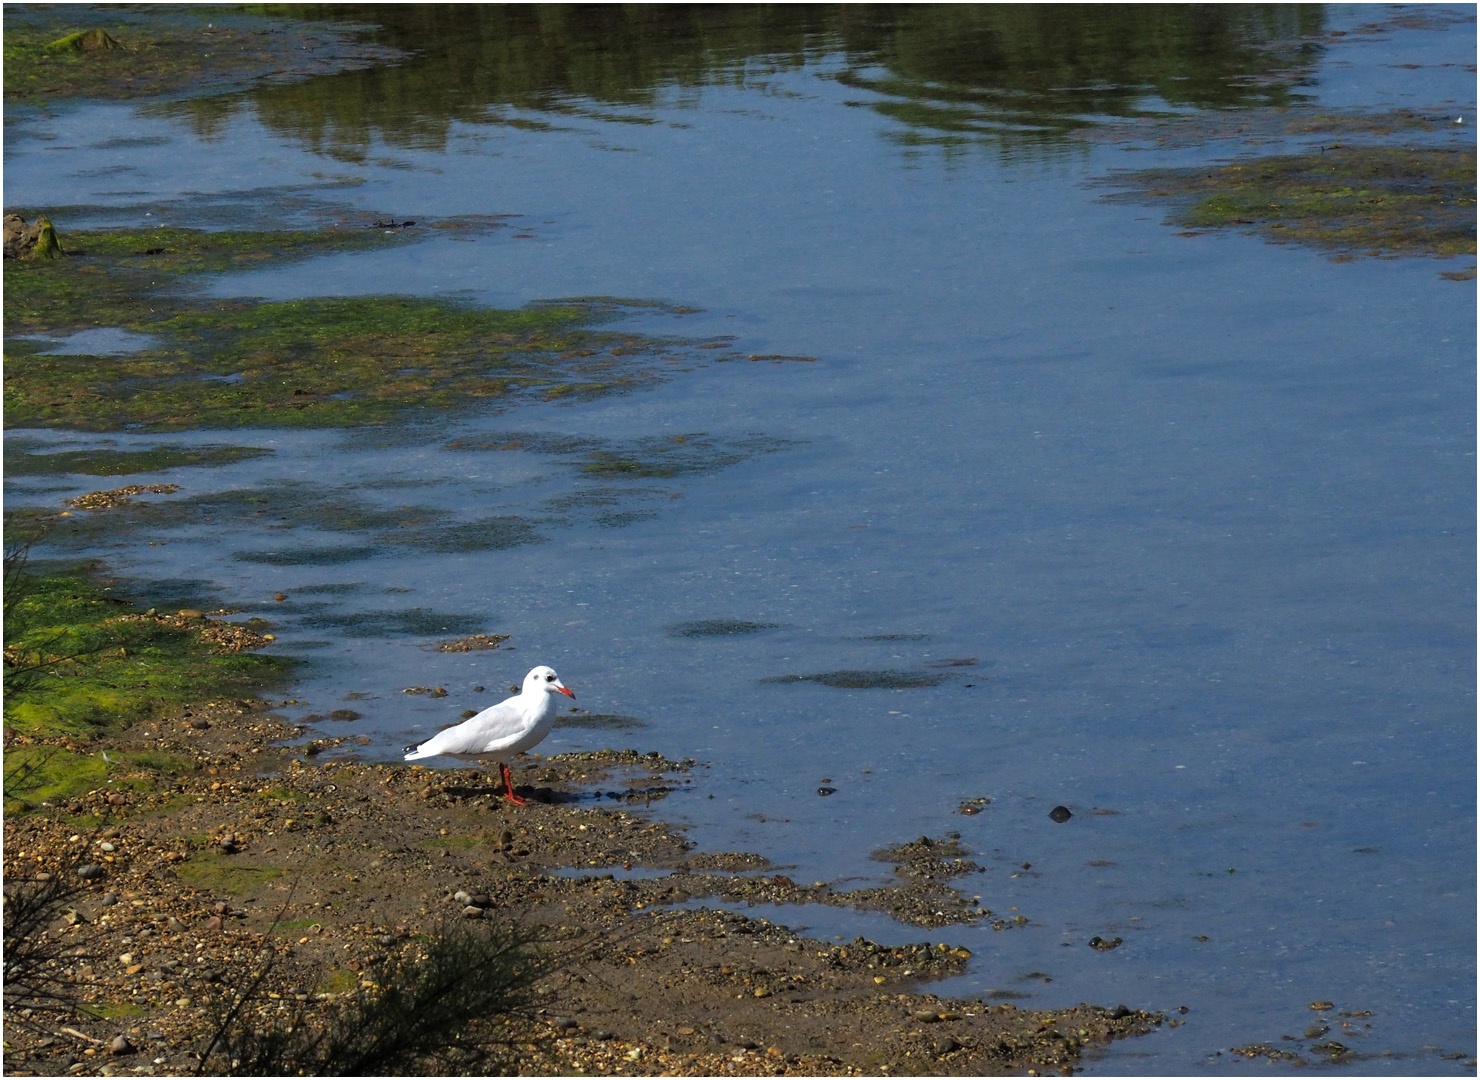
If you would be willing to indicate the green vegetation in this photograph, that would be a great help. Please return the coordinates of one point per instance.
(217, 872)
(74, 665)
(80, 662)
(1385, 201)
(301, 363)
(21, 461)
(719, 628)
(143, 54)
(865, 680)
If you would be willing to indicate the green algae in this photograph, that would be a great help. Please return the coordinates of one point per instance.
(719, 628)
(600, 722)
(145, 53)
(1348, 201)
(73, 667)
(853, 679)
(20, 461)
(314, 362)
(412, 622)
(218, 872)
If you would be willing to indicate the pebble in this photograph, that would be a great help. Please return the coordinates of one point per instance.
(472, 912)
(927, 1016)
(564, 1023)
(120, 1045)
(946, 1045)
(90, 871)
(109, 899)
(1060, 814)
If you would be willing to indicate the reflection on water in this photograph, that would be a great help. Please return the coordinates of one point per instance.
(1018, 75)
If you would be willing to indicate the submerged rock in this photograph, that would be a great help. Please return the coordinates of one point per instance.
(84, 41)
(35, 241)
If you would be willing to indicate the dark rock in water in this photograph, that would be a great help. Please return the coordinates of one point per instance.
(825, 791)
(1103, 945)
(1060, 814)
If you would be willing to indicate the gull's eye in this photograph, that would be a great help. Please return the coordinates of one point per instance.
(549, 678)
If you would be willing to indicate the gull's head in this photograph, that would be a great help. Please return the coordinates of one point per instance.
(544, 680)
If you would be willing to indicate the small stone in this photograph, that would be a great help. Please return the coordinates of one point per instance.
(1060, 814)
(109, 899)
(472, 912)
(564, 1023)
(200, 723)
(126, 958)
(116, 799)
(945, 1045)
(213, 923)
(1104, 945)
(462, 897)
(480, 899)
(602, 1036)
(826, 791)
(926, 1016)
(90, 871)
(106, 846)
(120, 1045)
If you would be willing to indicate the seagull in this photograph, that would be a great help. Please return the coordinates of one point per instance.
(500, 731)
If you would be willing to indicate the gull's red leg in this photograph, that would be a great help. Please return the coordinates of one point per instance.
(509, 783)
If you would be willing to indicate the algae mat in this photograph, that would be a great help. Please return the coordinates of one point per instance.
(313, 362)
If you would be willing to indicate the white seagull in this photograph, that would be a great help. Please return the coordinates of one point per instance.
(500, 731)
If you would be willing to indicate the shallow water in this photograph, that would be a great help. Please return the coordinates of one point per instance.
(1199, 509)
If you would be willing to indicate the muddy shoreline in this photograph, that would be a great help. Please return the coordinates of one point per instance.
(338, 868)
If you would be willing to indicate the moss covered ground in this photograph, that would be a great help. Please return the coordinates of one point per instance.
(81, 662)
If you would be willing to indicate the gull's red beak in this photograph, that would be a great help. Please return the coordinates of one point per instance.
(566, 692)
